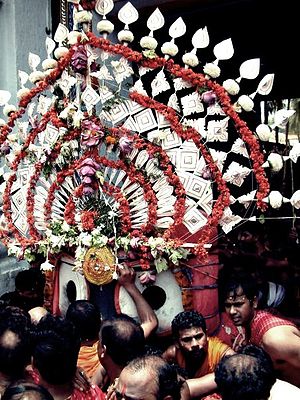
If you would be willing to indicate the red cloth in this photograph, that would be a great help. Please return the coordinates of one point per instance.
(95, 393)
(230, 334)
(262, 322)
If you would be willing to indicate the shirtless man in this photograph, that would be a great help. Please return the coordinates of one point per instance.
(278, 337)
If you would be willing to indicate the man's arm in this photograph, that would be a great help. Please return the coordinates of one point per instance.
(199, 387)
(283, 344)
(146, 314)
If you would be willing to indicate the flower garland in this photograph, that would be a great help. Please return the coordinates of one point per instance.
(135, 176)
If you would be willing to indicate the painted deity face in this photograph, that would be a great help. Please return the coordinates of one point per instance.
(193, 342)
(136, 385)
(239, 307)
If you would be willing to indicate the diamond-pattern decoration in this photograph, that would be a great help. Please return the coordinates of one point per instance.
(90, 96)
(217, 131)
(192, 104)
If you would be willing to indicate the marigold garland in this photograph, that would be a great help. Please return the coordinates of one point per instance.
(197, 80)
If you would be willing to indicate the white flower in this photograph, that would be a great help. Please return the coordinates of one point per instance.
(49, 63)
(65, 227)
(105, 26)
(276, 162)
(14, 250)
(125, 36)
(2, 122)
(231, 86)
(73, 36)
(57, 241)
(100, 240)
(80, 253)
(83, 16)
(8, 108)
(295, 200)
(115, 275)
(86, 239)
(156, 242)
(263, 132)
(23, 92)
(148, 42)
(190, 59)
(33, 147)
(212, 70)
(246, 102)
(36, 76)
(47, 266)
(60, 52)
(111, 214)
(169, 48)
(275, 199)
(135, 242)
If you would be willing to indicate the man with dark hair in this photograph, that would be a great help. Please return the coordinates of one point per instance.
(121, 339)
(114, 349)
(29, 290)
(14, 345)
(87, 320)
(250, 375)
(55, 350)
(193, 350)
(244, 376)
(25, 390)
(280, 338)
(148, 377)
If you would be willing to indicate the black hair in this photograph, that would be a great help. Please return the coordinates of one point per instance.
(186, 320)
(14, 349)
(56, 345)
(232, 283)
(14, 344)
(86, 317)
(123, 338)
(248, 375)
(31, 279)
(165, 375)
(23, 390)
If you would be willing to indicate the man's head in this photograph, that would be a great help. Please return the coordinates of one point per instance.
(24, 390)
(86, 318)
(121, 339)
(240, 299)
(55, 350)
(14, 341)
(148, 378)
(189, 332)
(248, 375)
(30, 283)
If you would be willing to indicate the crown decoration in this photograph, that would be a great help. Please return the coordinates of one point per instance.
(127, 151)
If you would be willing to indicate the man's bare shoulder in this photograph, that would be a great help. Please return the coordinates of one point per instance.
(281, 337)
(170, 353)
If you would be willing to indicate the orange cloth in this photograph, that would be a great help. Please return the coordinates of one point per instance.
(216, 350)
(88, 359)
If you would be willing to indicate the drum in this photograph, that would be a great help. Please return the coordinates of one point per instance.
(72, 285)
(164, 296)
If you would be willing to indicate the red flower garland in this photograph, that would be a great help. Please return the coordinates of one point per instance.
(197, 80)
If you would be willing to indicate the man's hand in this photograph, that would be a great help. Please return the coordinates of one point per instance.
(81, 381)
(126, 276)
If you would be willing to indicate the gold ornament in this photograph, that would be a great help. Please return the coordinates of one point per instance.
(99, 265)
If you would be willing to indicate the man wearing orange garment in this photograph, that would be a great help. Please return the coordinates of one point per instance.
(87, 319)
(193, 350)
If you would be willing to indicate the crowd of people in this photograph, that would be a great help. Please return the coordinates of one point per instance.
(255, 354)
